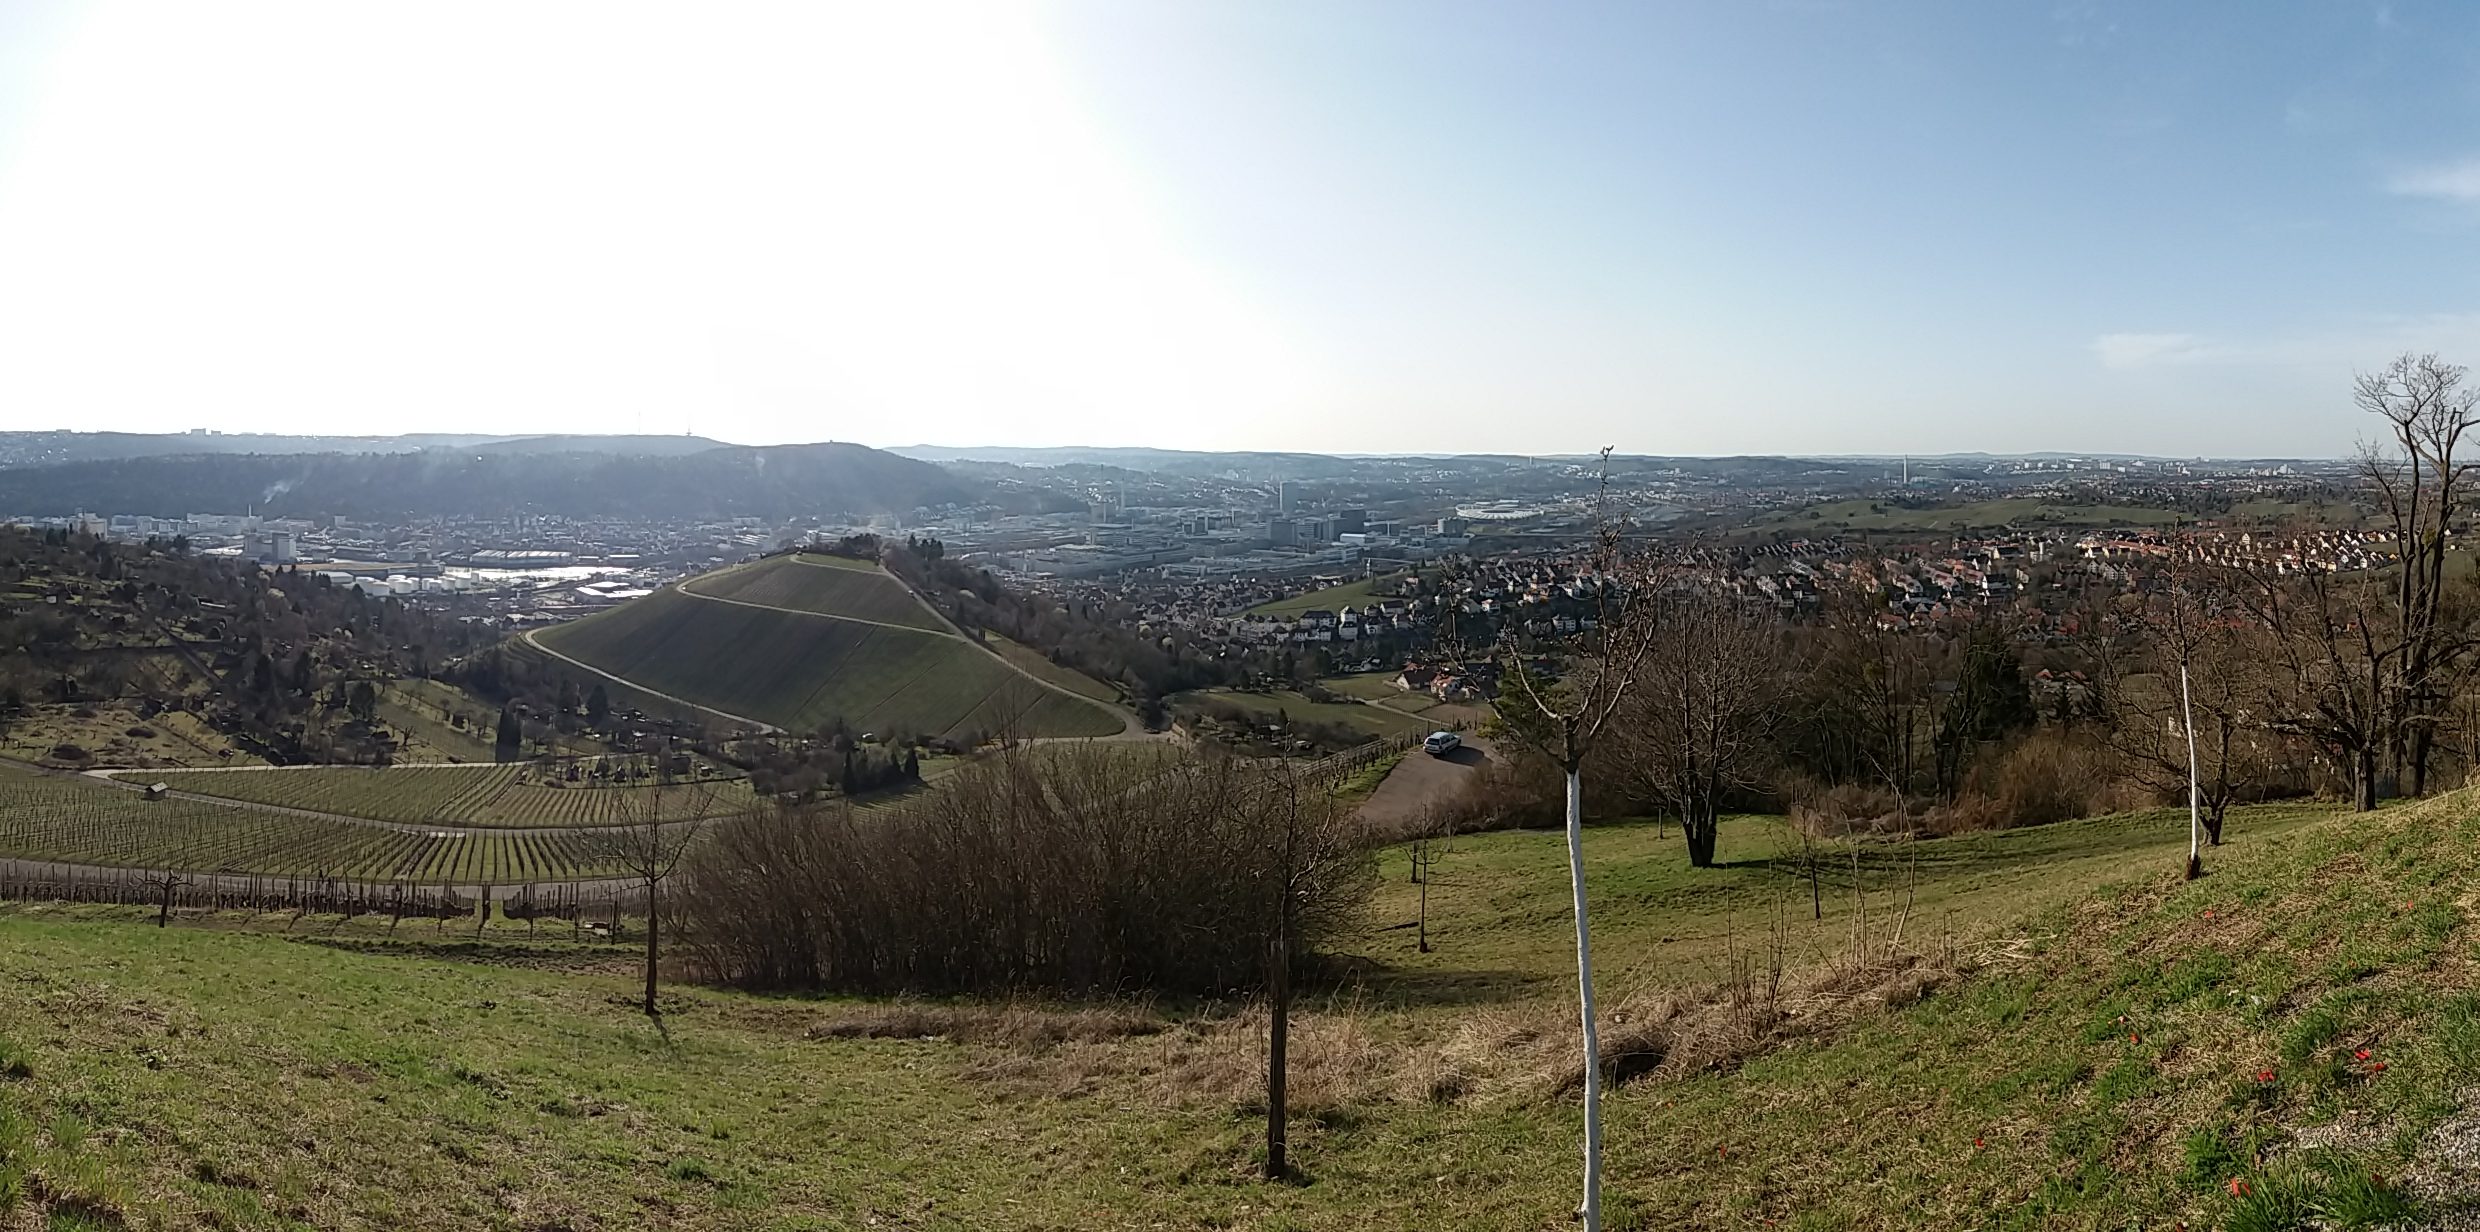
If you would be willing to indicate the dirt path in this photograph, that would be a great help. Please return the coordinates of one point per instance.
(1420, 780)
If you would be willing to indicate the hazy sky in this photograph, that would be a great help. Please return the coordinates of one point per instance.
(1673, 227)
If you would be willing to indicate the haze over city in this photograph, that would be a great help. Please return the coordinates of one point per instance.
(1783, 228)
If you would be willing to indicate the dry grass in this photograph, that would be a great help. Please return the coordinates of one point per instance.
(1344, 1055)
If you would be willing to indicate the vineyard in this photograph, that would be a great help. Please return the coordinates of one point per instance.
(52, 817)
(524, 795)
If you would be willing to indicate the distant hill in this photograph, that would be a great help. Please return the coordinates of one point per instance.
(803, 642)
(779, 481)
(53, 448)
(644, 446)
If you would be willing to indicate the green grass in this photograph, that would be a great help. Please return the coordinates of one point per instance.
(1332, 599)
(803, 670)
(1660, 920)
(1033, 661)
(2093, 1068)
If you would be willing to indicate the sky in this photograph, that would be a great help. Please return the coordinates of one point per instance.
(1674, 228)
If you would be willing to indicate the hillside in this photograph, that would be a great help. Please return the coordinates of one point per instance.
(771, 482)
(2078, 1040)
(802, 642)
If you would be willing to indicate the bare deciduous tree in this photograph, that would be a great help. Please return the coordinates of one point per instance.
(2418, 490)
(1700, 721)
(1563, 721)
(2190, 718)
(652, 845)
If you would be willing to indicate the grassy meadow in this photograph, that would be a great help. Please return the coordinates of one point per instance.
(2070, 1037)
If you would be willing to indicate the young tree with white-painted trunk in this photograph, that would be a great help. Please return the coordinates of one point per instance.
(1562, 719)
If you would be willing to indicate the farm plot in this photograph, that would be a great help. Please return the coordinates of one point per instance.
(847, 589)
(805, 672)
(49, 817)
(520, 795)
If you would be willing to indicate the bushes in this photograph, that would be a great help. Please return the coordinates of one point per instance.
(1085, 870)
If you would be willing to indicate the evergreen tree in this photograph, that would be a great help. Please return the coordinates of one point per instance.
(511, 735)
(598, 705)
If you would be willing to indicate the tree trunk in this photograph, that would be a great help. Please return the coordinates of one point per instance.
(1278, 1046)
(1702, 830)
(654, 930)
(1425, 914)
(2422, 739)
(2213, 822)
(2364, 780)
(1591, 1210)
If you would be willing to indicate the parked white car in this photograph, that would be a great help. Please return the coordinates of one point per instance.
(1440, 744)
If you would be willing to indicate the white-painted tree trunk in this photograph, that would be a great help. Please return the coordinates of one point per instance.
(1591, 1211)
(2195, 823)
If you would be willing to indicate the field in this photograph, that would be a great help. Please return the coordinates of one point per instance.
(51, 817)
(516, 795)
(1332, 599)
(804, 669)
(1881, 515)
(1032, 661)
(825, 585)
(1371, 720)
(2083, 1042)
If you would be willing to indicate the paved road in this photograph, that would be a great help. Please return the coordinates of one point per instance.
(1420, 780)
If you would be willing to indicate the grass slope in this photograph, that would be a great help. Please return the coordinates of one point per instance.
(1331, 599)
(825, 585)
(2097, 1069)
(804, 669)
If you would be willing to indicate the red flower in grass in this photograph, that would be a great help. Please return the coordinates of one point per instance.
(2238, 1187)
(2376, 1067)
(2362, 1054)
(2208, 913)
(2134, 1038)
(2264, 1075)
(1978, 1144)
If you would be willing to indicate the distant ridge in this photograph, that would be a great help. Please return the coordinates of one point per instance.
(773, 482)
(55, 447)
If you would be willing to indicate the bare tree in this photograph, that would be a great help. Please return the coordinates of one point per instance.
(2190, 718)
(659, 833)
(2418, 490)
(165, 885)
(1563, 720)
(1699, 723)
(2331, 642)
(1426, 851)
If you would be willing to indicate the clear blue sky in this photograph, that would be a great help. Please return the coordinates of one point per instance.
(1676, 228)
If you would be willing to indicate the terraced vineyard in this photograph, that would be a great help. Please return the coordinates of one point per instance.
(848, 651)
(52, 817)
(824, 585)
(517, 795)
